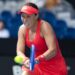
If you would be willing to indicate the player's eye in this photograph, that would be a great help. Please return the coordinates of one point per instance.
(25, 15)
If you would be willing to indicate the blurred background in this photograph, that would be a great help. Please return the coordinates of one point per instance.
(59, 13)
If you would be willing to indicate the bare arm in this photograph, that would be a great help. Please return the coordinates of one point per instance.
(21, 42)
(48, 34)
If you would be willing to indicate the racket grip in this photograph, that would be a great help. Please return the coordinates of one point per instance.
(36, 62)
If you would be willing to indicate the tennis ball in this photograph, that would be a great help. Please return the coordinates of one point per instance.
(18, 59)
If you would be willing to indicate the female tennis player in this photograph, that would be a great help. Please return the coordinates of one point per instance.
(40, 33)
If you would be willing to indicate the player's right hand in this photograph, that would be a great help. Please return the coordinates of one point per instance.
(27, 63)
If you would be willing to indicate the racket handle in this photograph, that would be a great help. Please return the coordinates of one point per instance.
(36, 62)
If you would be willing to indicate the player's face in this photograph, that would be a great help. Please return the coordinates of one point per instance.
(27, 19)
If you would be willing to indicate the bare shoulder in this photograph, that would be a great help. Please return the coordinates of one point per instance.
(22, 29)
(46, 27)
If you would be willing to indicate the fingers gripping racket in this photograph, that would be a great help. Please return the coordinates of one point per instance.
(19, 59)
